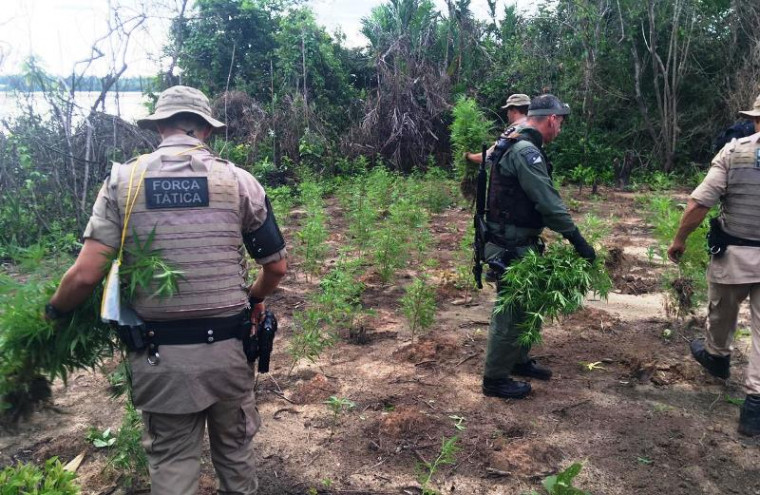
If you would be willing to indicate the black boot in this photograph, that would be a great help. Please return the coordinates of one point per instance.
(532, 369)
(505, 388)
(749, 419)
(717, 366)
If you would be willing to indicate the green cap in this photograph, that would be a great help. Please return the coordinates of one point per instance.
(547, 104)
(180, 99)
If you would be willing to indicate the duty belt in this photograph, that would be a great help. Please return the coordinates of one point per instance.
(197, 331)
(500, 241)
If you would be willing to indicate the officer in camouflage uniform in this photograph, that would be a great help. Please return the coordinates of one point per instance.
(193, 372)
(517, 111)
(522, 200)
(733, 181)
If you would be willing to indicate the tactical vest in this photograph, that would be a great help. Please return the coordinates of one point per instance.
(740, 206)
(204, 242)
(508, 204)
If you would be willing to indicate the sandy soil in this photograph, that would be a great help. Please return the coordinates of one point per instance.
(647, 420)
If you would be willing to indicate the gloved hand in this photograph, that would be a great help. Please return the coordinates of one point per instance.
(583, 248)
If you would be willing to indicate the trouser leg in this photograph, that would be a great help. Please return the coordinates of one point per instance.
(504, 350)
(752, 380)
(231, 426)
(173, 443)
(722, 314)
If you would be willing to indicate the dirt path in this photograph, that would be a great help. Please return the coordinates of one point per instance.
(645, 420)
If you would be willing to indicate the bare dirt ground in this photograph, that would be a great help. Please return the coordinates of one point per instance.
(645, 420)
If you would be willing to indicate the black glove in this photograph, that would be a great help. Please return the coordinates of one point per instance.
(582, 247)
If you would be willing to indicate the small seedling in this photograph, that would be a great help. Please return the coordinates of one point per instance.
(562, 483)
(667, 333)
(589, 366)
(101, 439)
(339, 405)
(446, 455)
(644, 460)
(418, 304)
(458, 422)
(742, 332)
(735, 401)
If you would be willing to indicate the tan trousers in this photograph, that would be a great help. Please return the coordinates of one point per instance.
(173, 443)
(722, 314)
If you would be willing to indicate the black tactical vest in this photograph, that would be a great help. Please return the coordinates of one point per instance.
(508, 204)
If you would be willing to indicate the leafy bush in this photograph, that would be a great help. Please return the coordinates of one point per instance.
(418, 304)
(34, 351)
(28, 479)
(127, 458)
(562, 483)
(469, 131)
(685, 283)
(549, 286)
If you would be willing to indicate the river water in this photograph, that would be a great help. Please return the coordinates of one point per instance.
(129, 105)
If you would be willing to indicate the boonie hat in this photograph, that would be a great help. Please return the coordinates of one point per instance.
(517, 100)
(179, 99)
(557, 108)
(755, 112)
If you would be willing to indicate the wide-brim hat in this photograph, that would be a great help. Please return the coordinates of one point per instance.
(180, 99)
(755, 112)
(517, 100)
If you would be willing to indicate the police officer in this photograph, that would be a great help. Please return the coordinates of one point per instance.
(517, 111)
(522, 201)
(194, 372)
(733, 181)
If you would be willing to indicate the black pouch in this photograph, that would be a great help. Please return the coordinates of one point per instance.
(717, 240)
(498, 265)
(132, 337)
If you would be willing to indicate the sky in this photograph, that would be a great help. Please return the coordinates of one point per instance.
(62, 32)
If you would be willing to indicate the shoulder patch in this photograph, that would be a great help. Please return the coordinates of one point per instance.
(531, 155)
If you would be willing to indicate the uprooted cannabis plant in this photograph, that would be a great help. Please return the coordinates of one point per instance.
(542, 288)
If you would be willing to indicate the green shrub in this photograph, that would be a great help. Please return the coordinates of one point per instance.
(469, 131)
(418, 305)
(549, 286)
(685, 282)
(34, 351)
(127, 458)
(28, 479)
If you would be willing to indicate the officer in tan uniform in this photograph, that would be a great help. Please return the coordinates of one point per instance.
(733, 181)
(192, 372)
(517, 113)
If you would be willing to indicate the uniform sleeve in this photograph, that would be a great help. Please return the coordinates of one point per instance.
(535, 181)
(714, 185)
(105, 223)
(253, 210)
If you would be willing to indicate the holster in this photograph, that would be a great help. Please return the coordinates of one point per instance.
(718, 239)
(132, 337)
(260, 346)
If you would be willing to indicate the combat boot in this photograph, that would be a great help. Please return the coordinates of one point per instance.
(532, 369)
(505, 388)
(717, 366)
(749, 419)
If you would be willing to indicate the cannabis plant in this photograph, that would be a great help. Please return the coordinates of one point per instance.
(446, 455)
(469, 131)
(418, 304)
(562, 483)
(30, 479)
(685, 283)
(538, 288)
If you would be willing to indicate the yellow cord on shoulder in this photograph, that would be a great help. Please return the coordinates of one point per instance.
(131, 200)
